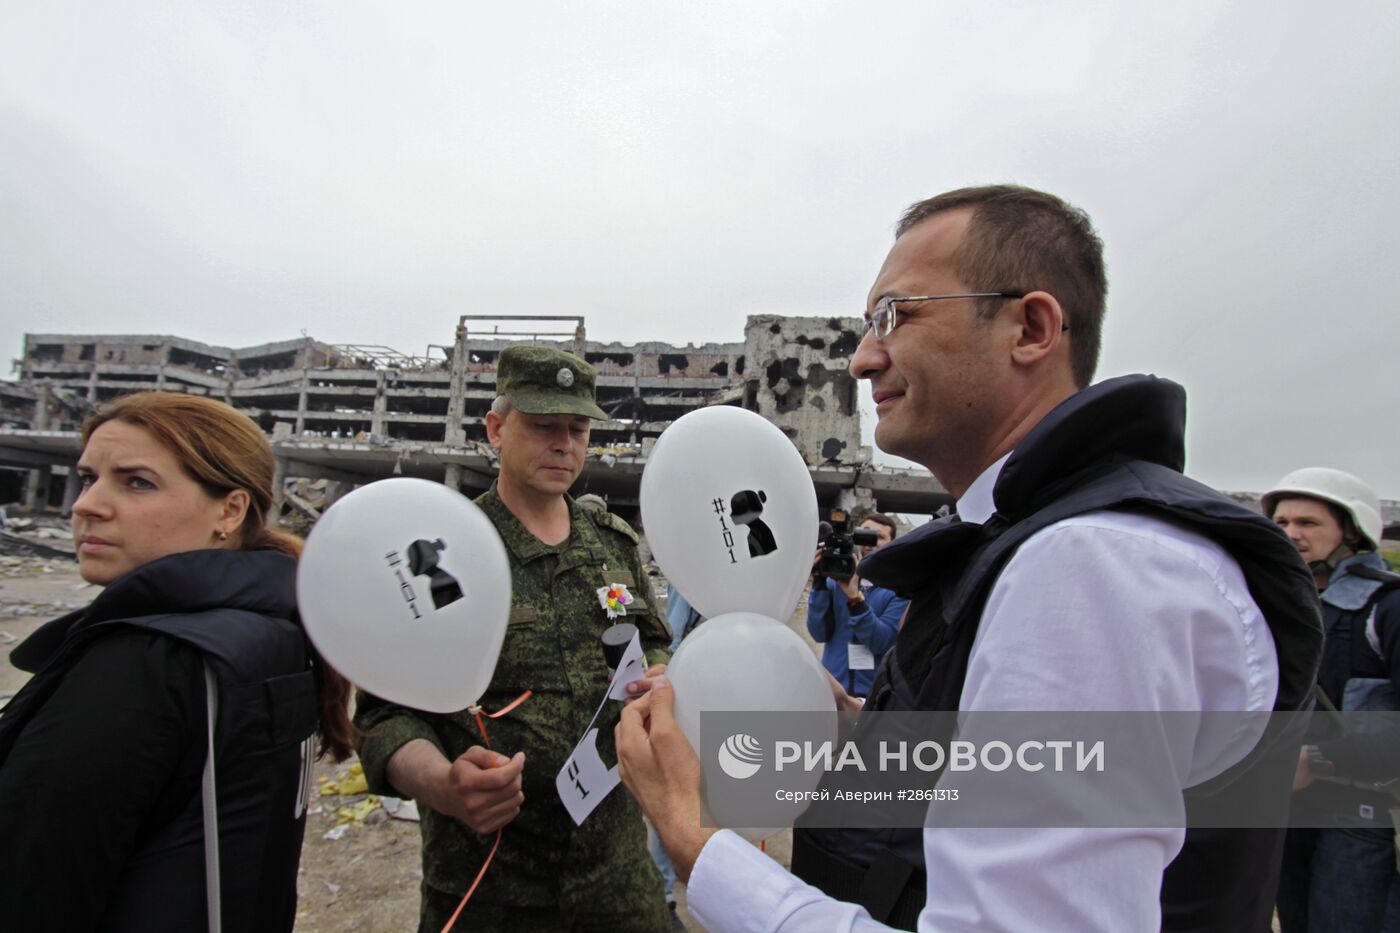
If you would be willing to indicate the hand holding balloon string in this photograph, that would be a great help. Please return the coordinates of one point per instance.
(481, 788)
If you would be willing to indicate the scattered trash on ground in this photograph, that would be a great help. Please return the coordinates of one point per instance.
(356, 814)
(397, 809)
(29, 565)
(351, 781)
(21, 544)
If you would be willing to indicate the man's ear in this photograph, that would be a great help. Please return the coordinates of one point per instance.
(494, 423)
(1041, 328)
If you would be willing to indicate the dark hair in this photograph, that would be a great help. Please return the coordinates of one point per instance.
(223, 450)
(1351, 535)
(880, 518)
(1020, 239)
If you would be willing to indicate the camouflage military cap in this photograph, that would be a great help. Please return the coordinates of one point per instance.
(544, 381)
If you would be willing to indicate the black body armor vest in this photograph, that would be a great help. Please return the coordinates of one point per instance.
(1117, 446)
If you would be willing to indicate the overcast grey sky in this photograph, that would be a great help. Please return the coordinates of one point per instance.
(240, 172)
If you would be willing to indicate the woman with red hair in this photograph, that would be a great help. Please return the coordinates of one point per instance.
(154, 772)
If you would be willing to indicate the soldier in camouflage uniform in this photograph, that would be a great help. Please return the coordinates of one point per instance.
(548, 874)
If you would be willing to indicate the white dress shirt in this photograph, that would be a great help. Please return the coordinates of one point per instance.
(1103, 611)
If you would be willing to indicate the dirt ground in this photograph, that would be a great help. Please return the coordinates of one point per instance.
(367, 880)
(364, 880)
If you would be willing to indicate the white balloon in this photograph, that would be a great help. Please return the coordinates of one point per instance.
(404, 587)
(745, 662)
(730, 512)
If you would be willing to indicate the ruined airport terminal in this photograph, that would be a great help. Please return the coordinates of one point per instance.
(352, 414)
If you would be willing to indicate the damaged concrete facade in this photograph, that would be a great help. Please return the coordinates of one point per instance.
(351, 414)
(802, 383)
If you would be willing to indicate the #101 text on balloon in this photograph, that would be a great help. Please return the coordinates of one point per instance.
(405, 587)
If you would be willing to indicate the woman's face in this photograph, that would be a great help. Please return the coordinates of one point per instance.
(138, 504)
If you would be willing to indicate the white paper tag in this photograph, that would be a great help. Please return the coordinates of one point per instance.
(583, 782)
(860, 657)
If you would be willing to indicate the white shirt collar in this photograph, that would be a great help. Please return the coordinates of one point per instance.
(977, 504)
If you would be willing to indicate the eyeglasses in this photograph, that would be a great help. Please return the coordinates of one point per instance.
(882, 319)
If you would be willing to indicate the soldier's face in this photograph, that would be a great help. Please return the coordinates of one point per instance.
(544, 453)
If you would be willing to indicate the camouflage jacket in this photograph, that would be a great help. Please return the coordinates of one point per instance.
(551, 647)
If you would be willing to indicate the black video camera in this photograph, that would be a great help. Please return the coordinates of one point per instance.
(839, 540)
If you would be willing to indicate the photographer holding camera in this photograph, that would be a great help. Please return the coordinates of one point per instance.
(855, 620)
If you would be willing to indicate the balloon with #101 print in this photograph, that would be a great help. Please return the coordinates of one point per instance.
(404, 587)
(746, 663)
(730, 512)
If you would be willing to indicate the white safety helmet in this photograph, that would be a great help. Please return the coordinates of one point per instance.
(1341, 489)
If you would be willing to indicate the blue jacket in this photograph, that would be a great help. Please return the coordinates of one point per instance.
(874, 626)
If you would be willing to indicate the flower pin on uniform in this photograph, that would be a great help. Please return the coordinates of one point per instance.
(614, 599)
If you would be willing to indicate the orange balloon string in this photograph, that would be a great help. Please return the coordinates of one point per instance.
(456, 913)
(481, 724)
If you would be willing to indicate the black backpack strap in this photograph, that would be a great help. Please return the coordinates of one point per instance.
(1386, 578)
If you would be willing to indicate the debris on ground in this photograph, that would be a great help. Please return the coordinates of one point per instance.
(39, 534)
(22, 544)
(356, 814)
(397, 809)
(351, 781)
(29, 565)
(17, 567)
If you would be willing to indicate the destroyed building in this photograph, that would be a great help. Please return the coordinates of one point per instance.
(350, 414)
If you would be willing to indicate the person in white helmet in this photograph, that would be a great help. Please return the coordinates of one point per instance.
(1342, 880)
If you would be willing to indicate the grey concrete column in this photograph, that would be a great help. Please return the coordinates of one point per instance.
(232, 373)
(36, 493)
(71, 487)
(279, 482)
(301, 402)
(453, 435)
(378, 420)
(453, 479)
(855, 501)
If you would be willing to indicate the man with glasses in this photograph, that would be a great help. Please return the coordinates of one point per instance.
(1082, 571)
